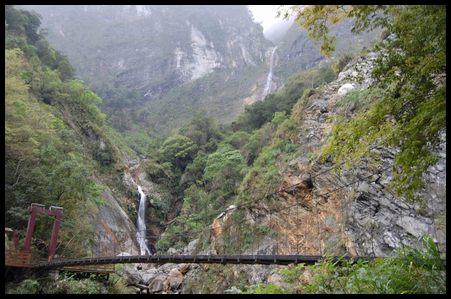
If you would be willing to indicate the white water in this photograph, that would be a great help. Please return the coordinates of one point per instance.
(141, 234)
(269, 78)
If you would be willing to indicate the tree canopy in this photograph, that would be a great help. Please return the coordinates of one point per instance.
(410, 113)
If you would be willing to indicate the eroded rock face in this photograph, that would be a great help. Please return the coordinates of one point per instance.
(364, 218)
(113, 228)
(157, 284)
(175, 279)
(353, 213)
(395, 221)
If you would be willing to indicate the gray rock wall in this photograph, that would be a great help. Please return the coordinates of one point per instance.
(375, 219)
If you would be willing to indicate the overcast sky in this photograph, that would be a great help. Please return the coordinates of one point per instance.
(266, 16)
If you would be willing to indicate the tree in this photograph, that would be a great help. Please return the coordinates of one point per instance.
(410, 114)
(65, 69)
(202, 130)
(316, 19)
(224, 170)
(179, 150)
(195, 170)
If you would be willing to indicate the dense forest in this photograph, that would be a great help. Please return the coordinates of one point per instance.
(61, 149)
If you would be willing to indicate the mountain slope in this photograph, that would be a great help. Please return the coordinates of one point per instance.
(59, 147)
(289, 201)
(296, 51)
(144, 59)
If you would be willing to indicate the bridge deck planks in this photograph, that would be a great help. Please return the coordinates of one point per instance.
(208, 259)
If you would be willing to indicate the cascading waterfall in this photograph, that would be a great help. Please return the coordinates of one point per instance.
(141, 234)
(269, 78)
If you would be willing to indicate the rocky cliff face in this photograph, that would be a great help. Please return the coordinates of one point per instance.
(150, 48)
(355, 212)
(114, 231)
(146, 58)
(369, 219)
(296, 51)
(326, 213)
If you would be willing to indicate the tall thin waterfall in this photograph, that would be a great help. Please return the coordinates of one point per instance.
(269, 78)
(141, 234)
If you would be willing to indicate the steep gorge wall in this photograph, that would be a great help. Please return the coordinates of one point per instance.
(370, 218)
(325, 213)
(154, 66)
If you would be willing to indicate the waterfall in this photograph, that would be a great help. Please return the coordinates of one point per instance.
(141, 234)
(269, 78)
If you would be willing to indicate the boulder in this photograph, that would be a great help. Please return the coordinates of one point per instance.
(175, 279)
(345, 88)
(414, 226)
(363, 187)
(191, 247)
(147, 276)
(183, 268)
(172, 251)
(232, 290)
(157, 284)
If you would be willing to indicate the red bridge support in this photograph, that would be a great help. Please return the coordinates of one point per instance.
(34, 210)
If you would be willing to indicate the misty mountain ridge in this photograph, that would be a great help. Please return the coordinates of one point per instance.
(156, 66)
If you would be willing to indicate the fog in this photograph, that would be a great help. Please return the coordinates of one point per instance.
(266, 15)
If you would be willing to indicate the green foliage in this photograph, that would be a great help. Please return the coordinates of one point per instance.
(203, 131)
(142, 143)
(118, 285)
(27, 286)
(407, 271)
(341, 62)
(410, 113)
(265, 174)
(265, 289)
(178, 150)
(57, 142)
(259, 113)
(238, 139)
(224, 170)
(22, 22)
(195, 170)
(257, 141)
(263, 177)
(206, 176)
(410, 271)
(209, 182)
(357, 100)
(70, 285)
(292, 274)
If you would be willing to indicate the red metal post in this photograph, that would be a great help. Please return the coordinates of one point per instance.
(33, 210)
(16, 240)
(58, 214)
